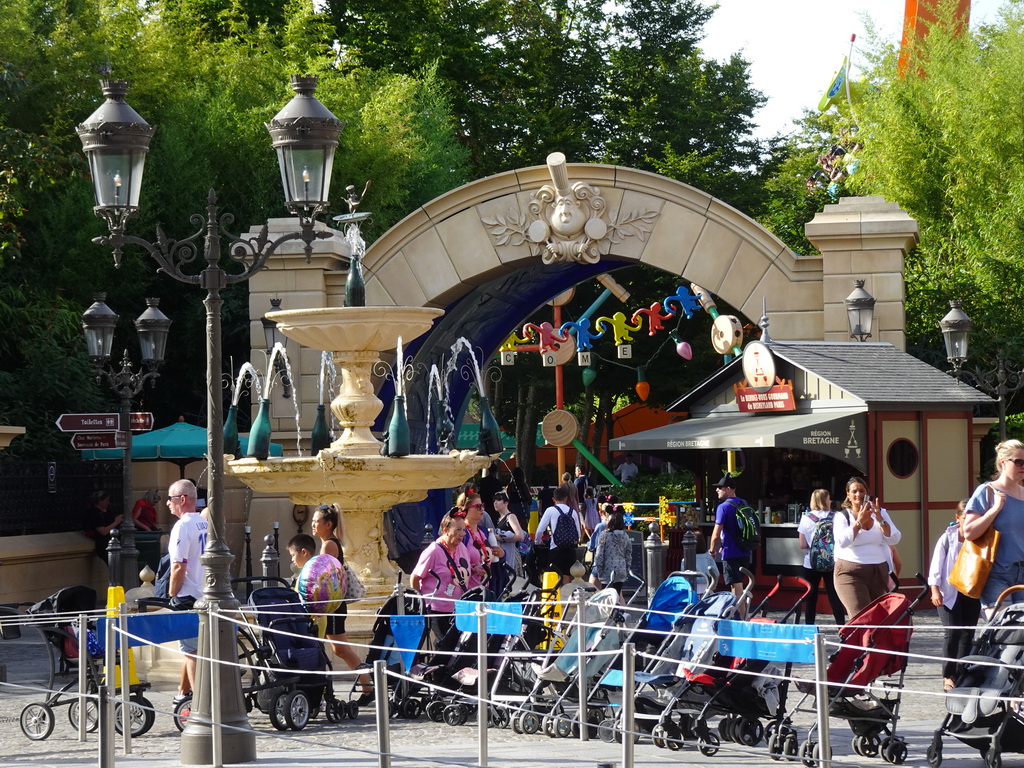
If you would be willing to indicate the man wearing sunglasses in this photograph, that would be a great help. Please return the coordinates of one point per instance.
(188, 540)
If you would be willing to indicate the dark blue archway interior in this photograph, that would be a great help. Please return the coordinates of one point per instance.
(485, 317)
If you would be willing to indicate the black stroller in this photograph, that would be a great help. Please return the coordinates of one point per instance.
(399, 634)
(288, 641)
(980, 709)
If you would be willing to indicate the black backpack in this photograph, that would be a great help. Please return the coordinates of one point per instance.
(565, 533)
(749, 525)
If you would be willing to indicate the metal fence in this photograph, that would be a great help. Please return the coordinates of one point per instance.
(51, 496)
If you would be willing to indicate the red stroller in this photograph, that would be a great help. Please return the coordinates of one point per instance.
(875, 643)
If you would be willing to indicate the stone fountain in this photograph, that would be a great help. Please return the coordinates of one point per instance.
(351, 472)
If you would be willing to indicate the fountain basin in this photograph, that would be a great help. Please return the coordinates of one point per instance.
(354, 329)
(357, 481)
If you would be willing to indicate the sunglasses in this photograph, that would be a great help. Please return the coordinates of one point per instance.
(1018, 462)
(459, 513)
(475, 506)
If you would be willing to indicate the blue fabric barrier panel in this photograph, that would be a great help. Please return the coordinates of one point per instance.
(408, 632)
(767, 642)
(508, 622)
(154, 628)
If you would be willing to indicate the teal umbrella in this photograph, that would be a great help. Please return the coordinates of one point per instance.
(179, 444)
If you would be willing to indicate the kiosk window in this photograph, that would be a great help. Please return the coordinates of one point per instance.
(902, 458)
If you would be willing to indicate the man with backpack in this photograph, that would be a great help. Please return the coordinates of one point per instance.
(732, 535)
(564, 525)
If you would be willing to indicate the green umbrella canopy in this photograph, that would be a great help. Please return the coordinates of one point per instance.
(179, 444)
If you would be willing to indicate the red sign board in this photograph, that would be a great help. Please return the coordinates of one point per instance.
(778, 398)
(141, 422)
(93, 441)
(89, 422)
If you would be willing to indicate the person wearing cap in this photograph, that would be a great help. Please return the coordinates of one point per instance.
(726, 536)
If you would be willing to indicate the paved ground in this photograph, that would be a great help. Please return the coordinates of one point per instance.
(423, 743)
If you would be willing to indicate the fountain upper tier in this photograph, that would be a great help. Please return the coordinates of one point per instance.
(351, 470)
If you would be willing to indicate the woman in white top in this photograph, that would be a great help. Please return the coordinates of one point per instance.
(820, 512)
(863, 533)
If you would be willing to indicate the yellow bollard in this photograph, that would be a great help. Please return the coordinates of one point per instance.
(115, 596)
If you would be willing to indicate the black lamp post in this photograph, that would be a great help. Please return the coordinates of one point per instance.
(152, 326)
(116, 139)
(999, 381)
(273, 336)
(860, 310)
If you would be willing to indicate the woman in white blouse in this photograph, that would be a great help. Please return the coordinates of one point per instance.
(864, 534)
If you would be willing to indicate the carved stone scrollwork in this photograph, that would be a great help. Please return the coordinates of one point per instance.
(568, 222)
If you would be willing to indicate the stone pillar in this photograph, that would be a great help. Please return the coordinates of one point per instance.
(864, 238)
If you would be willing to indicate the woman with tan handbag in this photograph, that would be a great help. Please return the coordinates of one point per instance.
(999, 505)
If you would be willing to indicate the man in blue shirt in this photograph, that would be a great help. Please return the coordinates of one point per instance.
(727, 533)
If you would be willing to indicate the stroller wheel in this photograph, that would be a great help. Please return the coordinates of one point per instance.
(708, 746)
(332, 711)
(774, 746)
(687, 727)
(894, 752)
(789, 748)
(547, 724)
(563, 727)
(725, 728)
(92, 716)
(658, 736)
(673, 736)
(935, 752)
(750, 731)
(993, 758)
(517, 722)
(435, 712)
(181, 713)
(411, 709)
(530, 722)
(37, 721)
(296, 710)
(140, 716)
(352, 710)
(454, 715)
(606, 730)
(277, 709)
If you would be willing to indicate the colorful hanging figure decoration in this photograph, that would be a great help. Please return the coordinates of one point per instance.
(621, 330)
(581, 330)
(655, 320)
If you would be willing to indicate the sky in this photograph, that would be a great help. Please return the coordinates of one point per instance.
(796, 46)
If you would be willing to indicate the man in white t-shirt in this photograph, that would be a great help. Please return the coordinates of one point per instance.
(188, 540)
(627, 470)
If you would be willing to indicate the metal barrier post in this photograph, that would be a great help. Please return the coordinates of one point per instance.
(821, 693)
(216, 669)
(580, 663)
(481, 683)
(83, 676)
(277, 538)
(270, 558)
(654, 550)
(114, 559)
(690, 547)
(248, 560)
(380, 688)
(106, 701)
(628, 724)
(126, 712)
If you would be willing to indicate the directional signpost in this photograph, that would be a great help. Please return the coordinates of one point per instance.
(92, 441)
(89, 422)
(141, 422)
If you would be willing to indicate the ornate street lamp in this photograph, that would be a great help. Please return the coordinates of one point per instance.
(115, 140)
(860, 309)
(152, 327)
(999, 381)
(273, 336)
(956, 329)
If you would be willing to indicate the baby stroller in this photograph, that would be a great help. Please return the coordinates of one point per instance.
(979, 713)
(288, 641)
(875, 644)
(399, 634)
(37, 718)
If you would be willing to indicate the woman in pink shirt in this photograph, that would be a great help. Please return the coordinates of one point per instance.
(443, 572)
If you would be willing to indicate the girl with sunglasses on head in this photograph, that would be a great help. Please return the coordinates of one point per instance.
(999, 504)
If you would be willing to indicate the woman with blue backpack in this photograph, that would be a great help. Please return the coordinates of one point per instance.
(818, 543)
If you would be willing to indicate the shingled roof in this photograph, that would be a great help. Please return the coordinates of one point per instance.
(877, 373)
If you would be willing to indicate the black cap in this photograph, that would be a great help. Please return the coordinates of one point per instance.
(726, 482)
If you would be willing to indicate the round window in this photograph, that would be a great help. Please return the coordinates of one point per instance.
(902, 458)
